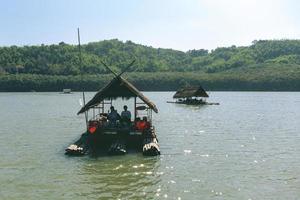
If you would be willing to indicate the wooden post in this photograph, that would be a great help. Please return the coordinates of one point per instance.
(134, 108)
(81, 79)
(103, 106)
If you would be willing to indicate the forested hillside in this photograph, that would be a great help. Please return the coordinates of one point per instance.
(265, 65)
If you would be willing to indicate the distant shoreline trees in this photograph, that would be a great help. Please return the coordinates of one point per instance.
(264, 65)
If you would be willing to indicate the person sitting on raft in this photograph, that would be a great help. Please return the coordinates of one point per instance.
(113, 116)
(142, 125)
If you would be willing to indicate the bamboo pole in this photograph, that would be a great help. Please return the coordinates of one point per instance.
(80, 63)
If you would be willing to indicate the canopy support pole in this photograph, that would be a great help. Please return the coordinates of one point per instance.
(83, 95)
(134, 108)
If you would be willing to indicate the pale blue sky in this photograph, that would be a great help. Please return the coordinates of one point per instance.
(177, 24)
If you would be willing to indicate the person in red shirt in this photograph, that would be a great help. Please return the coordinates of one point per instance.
(142, 125)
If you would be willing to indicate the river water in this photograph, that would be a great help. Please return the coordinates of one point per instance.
(245, 148)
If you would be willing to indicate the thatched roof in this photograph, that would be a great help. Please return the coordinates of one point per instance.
(190, 92)
(118, 87)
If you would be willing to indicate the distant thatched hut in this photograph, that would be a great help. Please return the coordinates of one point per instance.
(191, 96)
(190, 92)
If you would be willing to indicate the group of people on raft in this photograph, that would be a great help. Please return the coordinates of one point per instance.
(124, 120)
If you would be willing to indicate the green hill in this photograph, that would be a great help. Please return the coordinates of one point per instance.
(264, 65)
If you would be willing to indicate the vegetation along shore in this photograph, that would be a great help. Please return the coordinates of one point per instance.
(266, 65)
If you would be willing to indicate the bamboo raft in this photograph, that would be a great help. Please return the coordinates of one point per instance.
(115, 143)
(105, 136)
(191, 96)
(193, 103)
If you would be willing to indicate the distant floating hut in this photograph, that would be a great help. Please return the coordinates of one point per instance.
(190, 92)
(191, 96)
(106, 136)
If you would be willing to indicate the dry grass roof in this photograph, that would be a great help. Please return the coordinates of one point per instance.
(118, 87)
(190, 92)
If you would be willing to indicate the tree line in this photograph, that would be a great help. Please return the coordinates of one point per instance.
(264, 65)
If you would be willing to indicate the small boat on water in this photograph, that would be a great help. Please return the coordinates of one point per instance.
(105, 136)
(191, 96)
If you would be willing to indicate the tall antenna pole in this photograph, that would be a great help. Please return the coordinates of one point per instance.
(80, 63)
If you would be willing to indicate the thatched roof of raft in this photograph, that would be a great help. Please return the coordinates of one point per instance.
(190, 92)
(118, 87)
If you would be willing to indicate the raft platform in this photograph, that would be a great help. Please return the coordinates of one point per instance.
(193, 103)
(115, 142)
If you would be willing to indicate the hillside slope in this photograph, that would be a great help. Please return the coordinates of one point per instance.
(264, 65)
